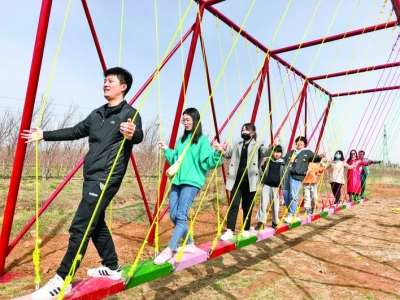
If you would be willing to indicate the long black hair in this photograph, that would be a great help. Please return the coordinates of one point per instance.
(194, 113)
(341, 153)
(350, 155)
(250, 127)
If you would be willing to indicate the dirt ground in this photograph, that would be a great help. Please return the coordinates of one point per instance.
(353, 254)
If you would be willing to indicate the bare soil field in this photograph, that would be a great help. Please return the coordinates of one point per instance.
(353, 254)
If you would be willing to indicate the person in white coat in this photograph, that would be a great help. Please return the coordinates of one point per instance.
(243, 177)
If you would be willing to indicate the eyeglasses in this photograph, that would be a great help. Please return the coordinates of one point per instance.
(353, 153)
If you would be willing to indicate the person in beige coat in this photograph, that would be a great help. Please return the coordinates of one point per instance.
(243, 177)
(336, 174)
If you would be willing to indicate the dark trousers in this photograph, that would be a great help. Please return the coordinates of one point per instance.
(336, 187)
(243, 193)
(98, 231)
(363, 184)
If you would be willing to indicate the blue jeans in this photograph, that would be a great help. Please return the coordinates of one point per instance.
(180, 201)
(286, 197)
(295, 186)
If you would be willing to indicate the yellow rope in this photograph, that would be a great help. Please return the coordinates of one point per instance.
(134, 265)
(160, 128)
(119, 65)
(36, 252)
(120, 33)
(223, 74)
(241, 179)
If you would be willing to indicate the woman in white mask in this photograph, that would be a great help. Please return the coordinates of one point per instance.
(336, 174)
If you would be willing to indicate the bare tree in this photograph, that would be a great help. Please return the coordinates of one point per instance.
(146, 153)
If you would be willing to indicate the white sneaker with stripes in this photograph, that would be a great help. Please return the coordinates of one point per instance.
(51, 289)
(105, 272)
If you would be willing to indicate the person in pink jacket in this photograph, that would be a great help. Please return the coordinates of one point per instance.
(354, 175)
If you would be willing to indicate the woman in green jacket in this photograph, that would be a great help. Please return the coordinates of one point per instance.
(189, 179)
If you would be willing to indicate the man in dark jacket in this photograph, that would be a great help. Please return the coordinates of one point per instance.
(106, 128)
(298, 160)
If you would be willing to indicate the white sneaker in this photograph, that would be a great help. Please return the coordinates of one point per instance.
(245, 234)
(163, 257)
(227, 235)
(105, 272)
(188, 249)
(51, 289)
(288, 219)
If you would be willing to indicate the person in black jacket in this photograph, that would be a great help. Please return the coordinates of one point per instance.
(106, 128)
(272, 173)
(298, 160)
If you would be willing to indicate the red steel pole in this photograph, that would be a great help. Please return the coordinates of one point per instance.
(239, 103)
(179, 110)
(270, 106)
(356, 71)
(265, 69)
(93, 31)
(255, 42)
(316, 125)
(305, 116)
(210, 92)
(321, 133)
(335, 37)
(146, 204)
(25, 124)
(386, 88)
(296, 122)
(396, 8)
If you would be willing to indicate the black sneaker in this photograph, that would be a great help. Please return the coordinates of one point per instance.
(258, 226)
(274, 226)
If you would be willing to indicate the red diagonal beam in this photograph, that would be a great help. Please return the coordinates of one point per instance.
(396, 8)
(387, 88)
(255, 42)
(355, 71)
(335, 37)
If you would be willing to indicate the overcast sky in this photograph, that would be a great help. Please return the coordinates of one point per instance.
(354, 121)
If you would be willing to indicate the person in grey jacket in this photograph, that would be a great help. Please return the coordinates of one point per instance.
(271, 178)
(106, 127)
(243, 177)
(298, 160)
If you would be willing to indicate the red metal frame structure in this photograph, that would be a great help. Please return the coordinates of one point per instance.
(9, 211)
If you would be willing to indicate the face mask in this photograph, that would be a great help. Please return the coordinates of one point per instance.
(337, 156)
(246, 136)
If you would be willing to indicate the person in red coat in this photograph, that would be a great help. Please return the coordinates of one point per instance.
(354, 175)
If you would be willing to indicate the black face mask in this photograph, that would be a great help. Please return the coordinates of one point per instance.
(246, 136)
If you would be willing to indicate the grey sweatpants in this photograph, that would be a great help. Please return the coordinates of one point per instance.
(268, 194)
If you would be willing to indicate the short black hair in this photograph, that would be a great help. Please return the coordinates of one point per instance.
(361, 151)
(301, 138)
(123, 75)
(278, 148)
